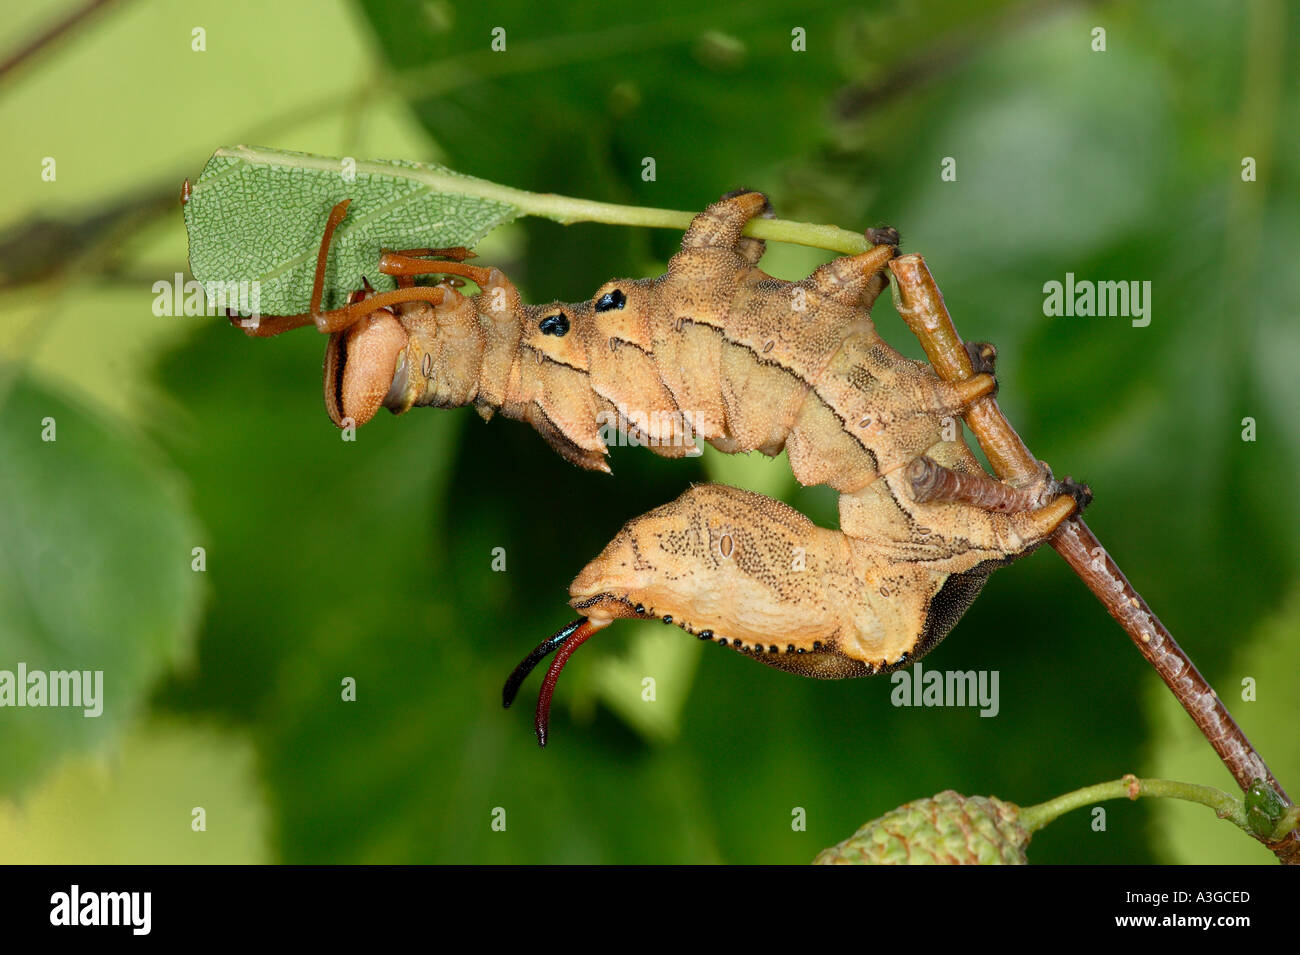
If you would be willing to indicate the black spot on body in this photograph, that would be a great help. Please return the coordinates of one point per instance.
(557, 325)
(611, 300)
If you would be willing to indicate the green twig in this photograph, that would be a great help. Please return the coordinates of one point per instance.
(1225, 806)
(1287, 824)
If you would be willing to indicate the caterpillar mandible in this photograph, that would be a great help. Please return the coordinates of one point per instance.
(718, 350)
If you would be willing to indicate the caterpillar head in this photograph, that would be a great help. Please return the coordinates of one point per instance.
(360, 366)
(427, 351)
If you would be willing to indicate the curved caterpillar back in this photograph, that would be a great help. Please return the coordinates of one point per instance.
(717, 350)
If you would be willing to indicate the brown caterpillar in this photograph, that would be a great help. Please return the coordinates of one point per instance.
(717, 349)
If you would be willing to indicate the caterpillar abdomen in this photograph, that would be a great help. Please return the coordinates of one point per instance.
(716, 350)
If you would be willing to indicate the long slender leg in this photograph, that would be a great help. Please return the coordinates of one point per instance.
(453, 253)
(334, 320)
(338, 319)
(400, 264)
(268, 326)
(322, 255)
(406, 279)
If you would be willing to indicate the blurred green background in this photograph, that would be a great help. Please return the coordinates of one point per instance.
(372, 560)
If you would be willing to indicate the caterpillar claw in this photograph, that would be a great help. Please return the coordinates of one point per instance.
(884, 235)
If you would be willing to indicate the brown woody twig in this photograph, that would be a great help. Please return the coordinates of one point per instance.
(921, 306)
(46, 38)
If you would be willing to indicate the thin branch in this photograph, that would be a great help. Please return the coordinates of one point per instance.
(37, 44)
(922, 307)
(947, 54)
(1225, 806)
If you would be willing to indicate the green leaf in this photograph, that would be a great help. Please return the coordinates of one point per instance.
(95, 570)
(653, 652)
(1268, 714)
(258, 216)
(136, 805)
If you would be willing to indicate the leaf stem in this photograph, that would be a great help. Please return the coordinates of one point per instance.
(563, 209)
(1225, 806)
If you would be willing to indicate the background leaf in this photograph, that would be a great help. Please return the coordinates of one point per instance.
(95, 571)
(135, 806)
(1269, 659)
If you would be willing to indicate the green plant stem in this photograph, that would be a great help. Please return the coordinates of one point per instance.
(1225, 806)
(563, 209)
(1288, 824)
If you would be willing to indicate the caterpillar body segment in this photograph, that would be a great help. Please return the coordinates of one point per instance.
(753, 574)
(717, 350)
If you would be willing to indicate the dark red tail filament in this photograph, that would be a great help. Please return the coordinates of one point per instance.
(575, 640)
(540, 653)
(566, 640)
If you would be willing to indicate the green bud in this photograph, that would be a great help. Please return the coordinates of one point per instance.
(1264, 807)
(948, 829)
